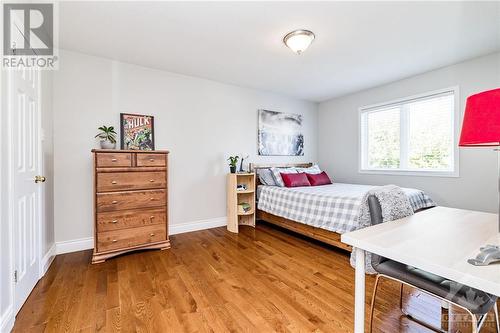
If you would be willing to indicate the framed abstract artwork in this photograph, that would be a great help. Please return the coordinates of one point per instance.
(137, 132)
(280, 134)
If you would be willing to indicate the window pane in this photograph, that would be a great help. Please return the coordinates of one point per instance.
(383, 138)
(431, 133)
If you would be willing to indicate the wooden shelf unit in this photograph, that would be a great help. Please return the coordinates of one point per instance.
(235, 197)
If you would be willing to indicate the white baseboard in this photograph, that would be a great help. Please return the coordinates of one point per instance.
(88, 243)
(7, 320)
(47, 260)
(197, 225)
(74, 245)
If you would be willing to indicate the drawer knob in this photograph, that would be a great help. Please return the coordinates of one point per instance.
(113, 160)
(151, 160)
(151, 234)
(114, 241)
(151, 217)
(113, 182)
(152, 199)
(151, 180)
(114, 221)
(114, 202)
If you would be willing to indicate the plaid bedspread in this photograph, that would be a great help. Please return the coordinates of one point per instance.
(334, 207)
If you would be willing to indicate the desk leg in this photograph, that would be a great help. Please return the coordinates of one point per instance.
(359, 296)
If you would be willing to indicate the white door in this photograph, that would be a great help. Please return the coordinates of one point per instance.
(25, 147)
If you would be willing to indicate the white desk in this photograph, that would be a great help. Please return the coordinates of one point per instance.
(438, 240)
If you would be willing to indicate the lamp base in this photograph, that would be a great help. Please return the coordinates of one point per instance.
(489, 254)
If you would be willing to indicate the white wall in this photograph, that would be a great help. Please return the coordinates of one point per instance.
(476, 188)
(48, 234)
(199, 121)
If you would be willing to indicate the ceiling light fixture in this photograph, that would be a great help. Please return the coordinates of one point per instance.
(298, 40)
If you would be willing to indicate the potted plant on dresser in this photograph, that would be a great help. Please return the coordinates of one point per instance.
(107, 136)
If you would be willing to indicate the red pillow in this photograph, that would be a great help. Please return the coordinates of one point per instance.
(318, 179)
(295, 179)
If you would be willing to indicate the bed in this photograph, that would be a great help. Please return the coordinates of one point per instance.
(319, 212)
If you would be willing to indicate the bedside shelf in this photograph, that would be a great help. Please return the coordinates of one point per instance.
(250, 212)
(245, 191)
(235, 197)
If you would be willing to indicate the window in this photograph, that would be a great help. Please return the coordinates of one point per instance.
(415, 135)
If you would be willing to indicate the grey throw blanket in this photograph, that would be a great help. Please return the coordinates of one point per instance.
(394, 204)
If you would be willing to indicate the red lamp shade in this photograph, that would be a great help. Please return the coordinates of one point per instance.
(481, 125)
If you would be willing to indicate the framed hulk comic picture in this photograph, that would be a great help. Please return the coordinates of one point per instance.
(137, 132)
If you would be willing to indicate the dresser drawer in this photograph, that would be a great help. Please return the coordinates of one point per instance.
(126, 238)
(119, 181)
(151, 160)
(130, 219)
(107, 202)
(113, 160)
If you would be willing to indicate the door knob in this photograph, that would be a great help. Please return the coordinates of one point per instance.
(40, 179)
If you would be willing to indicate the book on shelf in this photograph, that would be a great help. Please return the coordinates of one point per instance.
(245, 206)
(241, 187)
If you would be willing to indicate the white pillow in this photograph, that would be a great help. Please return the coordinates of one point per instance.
(277, 174)
(266, 177)
(313, 170)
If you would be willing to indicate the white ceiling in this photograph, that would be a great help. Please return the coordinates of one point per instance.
(358, 44)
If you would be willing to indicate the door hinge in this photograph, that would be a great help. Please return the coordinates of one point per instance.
(15, 276)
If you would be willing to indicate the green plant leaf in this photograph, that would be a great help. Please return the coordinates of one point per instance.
(107, 133)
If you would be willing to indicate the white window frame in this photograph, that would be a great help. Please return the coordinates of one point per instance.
(362, 165)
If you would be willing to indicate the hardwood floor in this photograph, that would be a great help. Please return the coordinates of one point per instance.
(261, 280)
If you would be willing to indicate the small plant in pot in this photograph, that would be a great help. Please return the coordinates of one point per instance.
(233, 161)
(107, 137)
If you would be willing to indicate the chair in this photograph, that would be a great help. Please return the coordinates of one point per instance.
(475, 302)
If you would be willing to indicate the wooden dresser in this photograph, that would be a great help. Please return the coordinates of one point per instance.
(130, 202)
